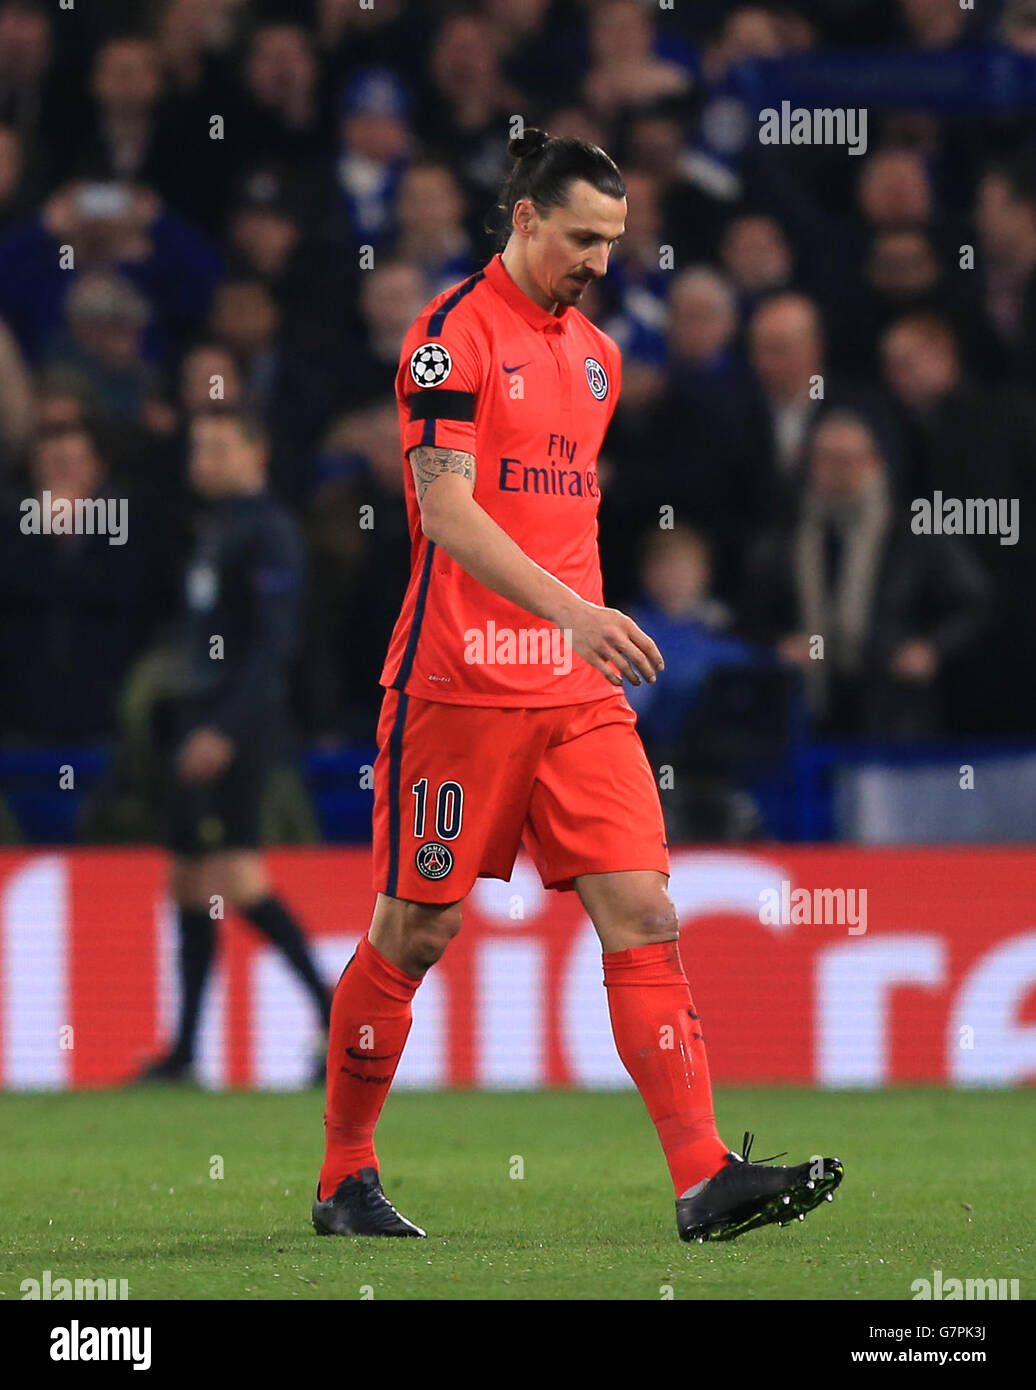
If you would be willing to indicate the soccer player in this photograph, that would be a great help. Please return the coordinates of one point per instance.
(504, 717)
(244, 588)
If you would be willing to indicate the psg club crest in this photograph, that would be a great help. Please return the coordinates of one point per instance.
(597, 378)
(430, 364)
(434, 860)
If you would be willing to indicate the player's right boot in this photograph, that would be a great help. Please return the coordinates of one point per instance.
(744, 1195)
(359, 1207)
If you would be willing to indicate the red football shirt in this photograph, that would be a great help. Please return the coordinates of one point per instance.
(530, 394)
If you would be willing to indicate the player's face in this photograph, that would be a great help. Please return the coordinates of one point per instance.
(570, 246)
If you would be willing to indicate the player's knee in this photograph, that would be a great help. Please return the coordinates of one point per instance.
(429, 930)
(652, 922)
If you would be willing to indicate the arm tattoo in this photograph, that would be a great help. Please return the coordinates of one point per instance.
(428, 462)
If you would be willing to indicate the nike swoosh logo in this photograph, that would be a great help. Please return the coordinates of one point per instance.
(369, 1056)
(515, 369)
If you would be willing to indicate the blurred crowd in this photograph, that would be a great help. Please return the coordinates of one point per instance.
(260, 197)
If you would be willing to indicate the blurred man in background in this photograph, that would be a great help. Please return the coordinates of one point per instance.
(892, 607)
(244, 590)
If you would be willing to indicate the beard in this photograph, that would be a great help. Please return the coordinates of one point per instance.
(570, 291)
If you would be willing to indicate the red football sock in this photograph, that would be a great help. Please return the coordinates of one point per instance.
(370, 1020)
(658, 1036)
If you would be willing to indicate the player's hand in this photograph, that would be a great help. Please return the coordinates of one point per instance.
(205, 754)
(613, 644)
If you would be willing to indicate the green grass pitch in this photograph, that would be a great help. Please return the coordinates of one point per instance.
(117, 1185)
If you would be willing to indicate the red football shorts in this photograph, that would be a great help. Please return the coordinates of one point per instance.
(458, 788)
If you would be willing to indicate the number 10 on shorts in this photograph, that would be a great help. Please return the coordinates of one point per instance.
(449, 809)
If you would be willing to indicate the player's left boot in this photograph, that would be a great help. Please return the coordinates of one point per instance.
(169, 1069)
(359, 1207)
(744, 1195)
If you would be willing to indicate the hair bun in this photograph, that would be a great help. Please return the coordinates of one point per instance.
(531, 142)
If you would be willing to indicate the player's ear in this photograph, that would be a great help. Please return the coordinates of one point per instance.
(525, 216)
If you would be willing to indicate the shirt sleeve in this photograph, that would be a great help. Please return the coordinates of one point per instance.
(440, 378)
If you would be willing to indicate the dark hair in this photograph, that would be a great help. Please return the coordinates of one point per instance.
(250, 425)
(68, 429)
(544, 170)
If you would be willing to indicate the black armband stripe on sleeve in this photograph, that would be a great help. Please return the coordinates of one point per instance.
(442, 405)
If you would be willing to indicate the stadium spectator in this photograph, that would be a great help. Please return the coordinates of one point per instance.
(120, 141)
(469, 104)
(748, 31)
(626, 69)
(391, 34)
(102, 342)
(969, 440)
(678, 604)
(189, 33)
(34, 96)
(537, 41)
(360, 572)
(702, 326)
(432, 235)
(375, 147)
(637, 284)
(694, 447)
(894, 190)
(1005, 215)
(280, 232)
(756, 255)
(786, 345)
(209, 373)
(390, 296)
(107, 228)
(698, 195)
(75, 606)
(284, 107)
(903, 273)
(892, 607)
(933, 24)
(966, 439)
(692, 628)
(293, 391)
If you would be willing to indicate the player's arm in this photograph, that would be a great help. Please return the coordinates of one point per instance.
(450, 516)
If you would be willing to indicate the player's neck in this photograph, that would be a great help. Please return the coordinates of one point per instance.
(514, 264)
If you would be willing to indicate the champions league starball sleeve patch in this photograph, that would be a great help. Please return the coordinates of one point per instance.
(430, 364)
